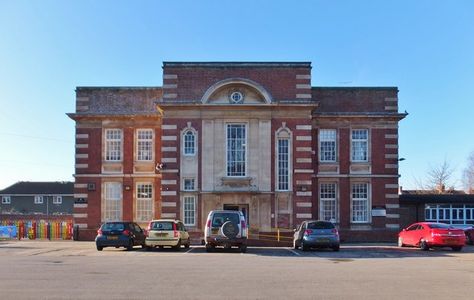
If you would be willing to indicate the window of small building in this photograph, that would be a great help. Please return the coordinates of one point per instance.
(6, 200)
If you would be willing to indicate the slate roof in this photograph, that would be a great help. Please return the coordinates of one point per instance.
(40, 188)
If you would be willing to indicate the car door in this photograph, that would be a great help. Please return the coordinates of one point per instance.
(184, 233)
(409, 235)
(299, 233)
(139, 234)
(419, 234)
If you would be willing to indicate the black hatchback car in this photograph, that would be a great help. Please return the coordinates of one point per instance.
(120, 234)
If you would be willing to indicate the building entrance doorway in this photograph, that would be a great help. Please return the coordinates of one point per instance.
(244, 208)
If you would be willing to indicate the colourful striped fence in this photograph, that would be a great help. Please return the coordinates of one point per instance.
(52, 230)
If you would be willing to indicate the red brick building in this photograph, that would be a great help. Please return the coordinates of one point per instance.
(250, 136)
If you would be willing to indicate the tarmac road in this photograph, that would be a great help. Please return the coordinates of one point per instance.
(75, 270)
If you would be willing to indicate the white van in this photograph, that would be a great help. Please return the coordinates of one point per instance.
(226, 228)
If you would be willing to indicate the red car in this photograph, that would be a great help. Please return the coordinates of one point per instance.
(427, 235)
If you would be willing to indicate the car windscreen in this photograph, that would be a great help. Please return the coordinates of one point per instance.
(320, 225)
(113, 227)
(439, 226)
(162, 226)
(220, 218)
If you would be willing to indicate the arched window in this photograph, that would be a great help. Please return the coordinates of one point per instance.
(283, 159)
(189, 143)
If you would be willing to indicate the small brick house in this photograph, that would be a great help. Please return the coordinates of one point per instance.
(250, 136)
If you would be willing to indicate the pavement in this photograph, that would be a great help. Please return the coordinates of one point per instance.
(76, 270)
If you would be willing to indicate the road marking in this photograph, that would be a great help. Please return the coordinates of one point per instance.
(293, 251)
(190, 249)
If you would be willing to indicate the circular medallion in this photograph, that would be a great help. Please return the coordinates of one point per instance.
(236, 97)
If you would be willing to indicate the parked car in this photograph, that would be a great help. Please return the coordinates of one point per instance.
(469, 232)
(227, 228)
(427, 235)
(316, 234)
(167, 232)
(120, 234)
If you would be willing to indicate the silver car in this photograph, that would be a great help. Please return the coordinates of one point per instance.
(316, 234)
(227, 228)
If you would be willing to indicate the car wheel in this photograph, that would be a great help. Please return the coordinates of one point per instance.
(130, 245)
(424, 246)
(304, 247)
(400, 242)
(457, 249)
(178, 246)
(243, 248)
(99, 248)
(336, 248)
(209, 248)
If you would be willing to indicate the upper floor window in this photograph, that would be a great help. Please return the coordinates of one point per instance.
(38, 199)
(360, 202)
(113, 144)
(327, 145)
(189, 184)
(144, 202)
(189, 143)
(236, 149)
(144, 144)
(57, 200)
(6, 200)
(359, 145)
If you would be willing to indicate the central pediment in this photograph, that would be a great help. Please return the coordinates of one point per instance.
(235, 91)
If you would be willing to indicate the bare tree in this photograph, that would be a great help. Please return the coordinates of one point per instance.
(439, 177)
(468, 174)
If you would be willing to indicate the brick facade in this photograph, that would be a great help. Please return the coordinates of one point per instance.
(277, 103)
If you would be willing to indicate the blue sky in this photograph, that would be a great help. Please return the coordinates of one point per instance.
(47, 48)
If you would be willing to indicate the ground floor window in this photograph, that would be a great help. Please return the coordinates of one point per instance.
(113, 201)
(328, 204)
(144, 198)
(360, 203)
(189, 210)
(450, 213)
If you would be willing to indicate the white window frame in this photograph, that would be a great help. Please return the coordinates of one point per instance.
(6, 200)
(234, 173)
(464, 214)
(193, 184)
(357, 201)
(113, 145)
(189, 145)
(113, 201)
(283, 178)
(144, 211)
(187, 210)
(327, 136)
(328, 197)
(39, 199)
(57, 199)
(355, 145)
(144, 146)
